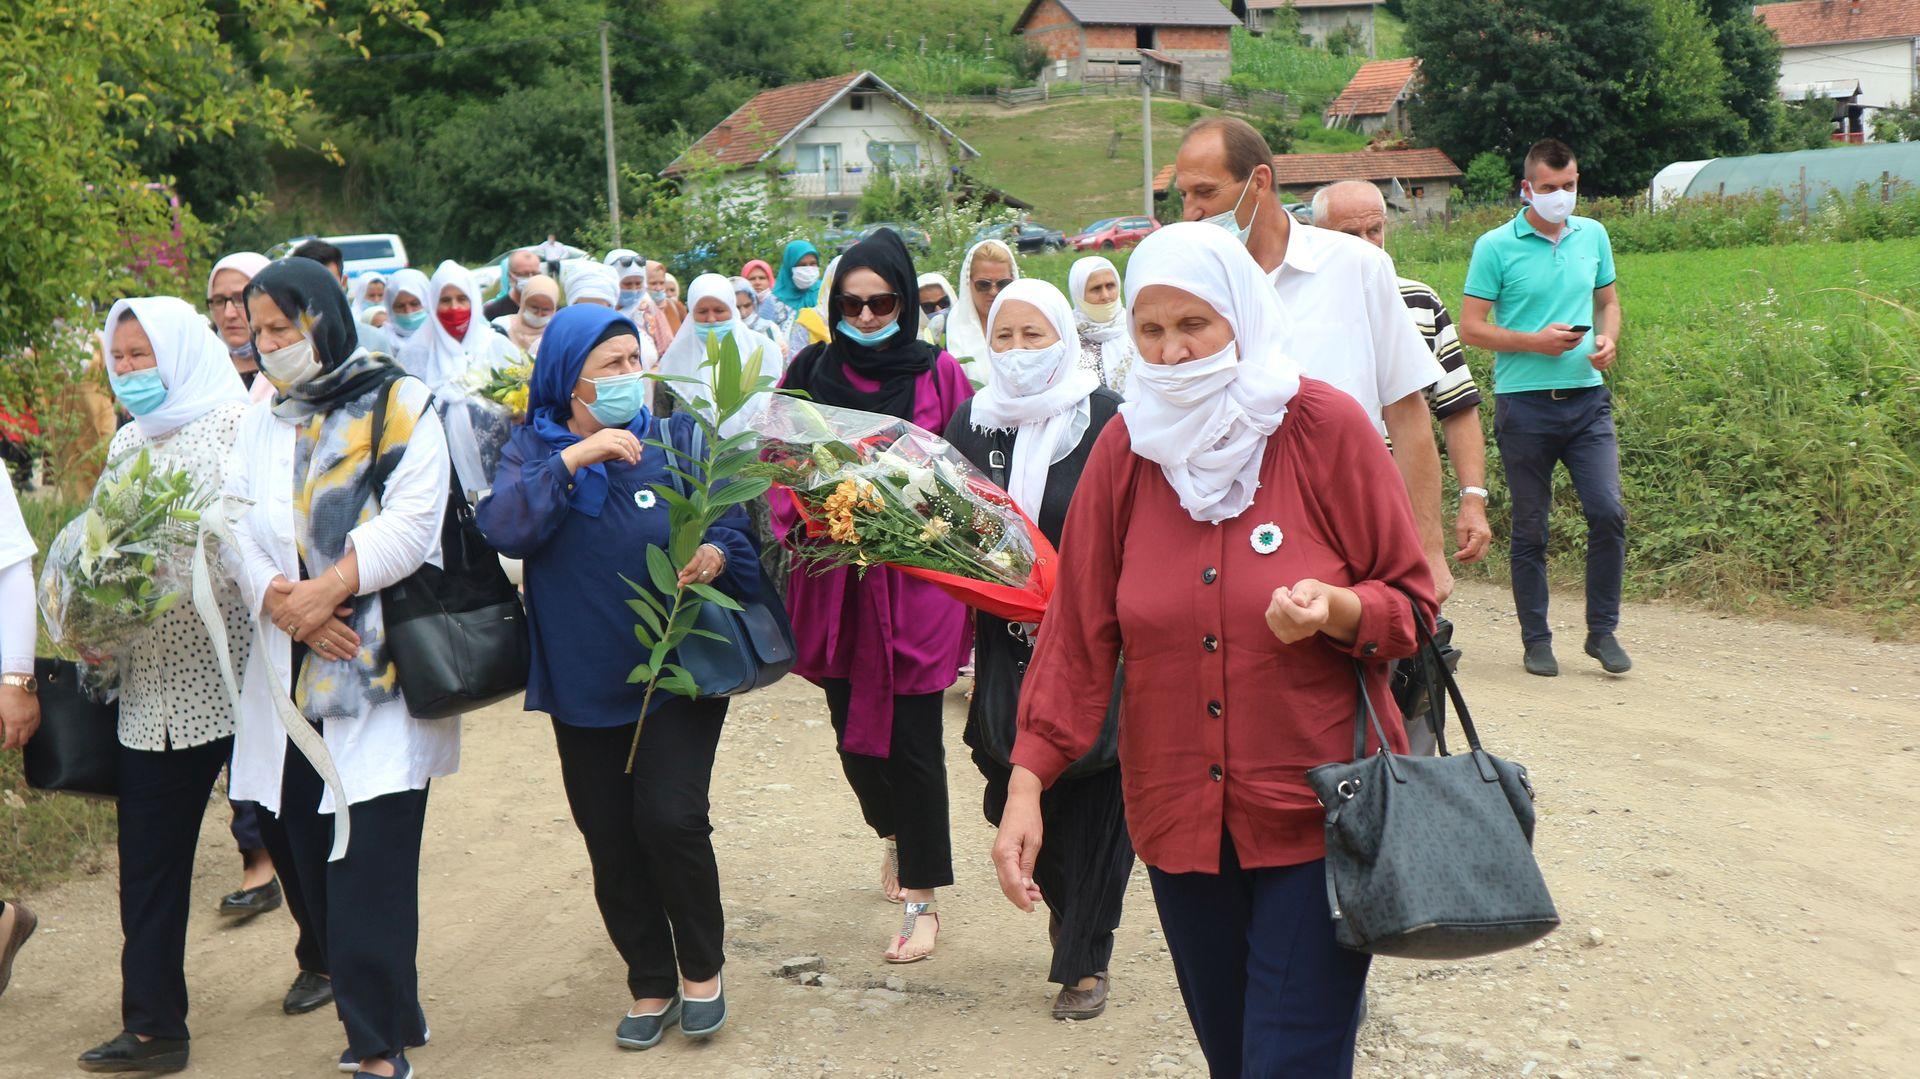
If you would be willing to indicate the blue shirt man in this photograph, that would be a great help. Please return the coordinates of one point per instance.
(1540, 295)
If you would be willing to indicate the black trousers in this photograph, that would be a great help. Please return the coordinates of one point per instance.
(163, 796)
(246, 826)
(1083, 866)
(650, 840)
(364, 908)
(309, 950)
(903, 794)
(1267, 989)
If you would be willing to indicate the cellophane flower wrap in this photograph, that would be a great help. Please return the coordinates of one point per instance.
(875, 490)
(128, 559)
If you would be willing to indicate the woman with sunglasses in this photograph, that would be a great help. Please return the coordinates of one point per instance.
(885, 647)
(989, 267)
(936, 300)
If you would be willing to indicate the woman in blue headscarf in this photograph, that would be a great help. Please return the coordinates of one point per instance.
(797, 286)
(576, 498)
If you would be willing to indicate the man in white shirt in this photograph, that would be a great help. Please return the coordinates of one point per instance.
(1347, 324)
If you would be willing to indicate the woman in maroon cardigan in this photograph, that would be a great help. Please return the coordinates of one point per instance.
(1242, 535)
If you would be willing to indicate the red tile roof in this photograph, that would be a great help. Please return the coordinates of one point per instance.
(1374, 89)
(1830, 22)
(757, 127)
(1301, 170)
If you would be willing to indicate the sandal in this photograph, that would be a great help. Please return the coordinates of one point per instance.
(908, 923)
(890, 873)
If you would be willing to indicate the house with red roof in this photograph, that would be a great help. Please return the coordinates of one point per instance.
(1170, 41)
(1376, 98)
(1860, 54)
(1415, 183)
(822, 142)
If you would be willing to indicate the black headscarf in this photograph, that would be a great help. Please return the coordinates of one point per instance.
(896, 363)
(309, 294)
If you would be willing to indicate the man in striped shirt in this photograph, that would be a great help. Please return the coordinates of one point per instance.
(1356, 208)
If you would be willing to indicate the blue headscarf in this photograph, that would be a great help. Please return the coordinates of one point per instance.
(784, 289)
(573, 333)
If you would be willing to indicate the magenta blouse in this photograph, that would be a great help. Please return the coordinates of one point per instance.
(886, 633)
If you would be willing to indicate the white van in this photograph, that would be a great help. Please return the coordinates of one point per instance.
(372, 252)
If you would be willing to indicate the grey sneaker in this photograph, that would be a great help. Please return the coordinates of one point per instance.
(645, 1031)
(1540, 659)
(704, 1018)
(1605, 648)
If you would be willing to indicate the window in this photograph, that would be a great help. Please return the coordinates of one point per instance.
(857, 103)
(807, 155)
(898, 155)
(1137, 223)
(355, 250)
(1143, 37)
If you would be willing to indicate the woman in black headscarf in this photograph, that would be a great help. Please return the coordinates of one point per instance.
(884, 646)
(312, 553)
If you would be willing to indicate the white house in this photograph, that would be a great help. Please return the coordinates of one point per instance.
(1319, 19)
(1830, 47)
(823, 141)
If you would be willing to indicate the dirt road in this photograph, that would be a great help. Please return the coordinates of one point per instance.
(1729, 832)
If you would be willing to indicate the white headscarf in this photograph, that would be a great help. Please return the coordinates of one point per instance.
(585, 281)
(413, 283)
(687, 354)
(933, 328)
(247, 263)
(966, 337)
(193, 362)
(435, 356)
(1207, 426)
(360, 286)
(1106, 348)
(1048, 419)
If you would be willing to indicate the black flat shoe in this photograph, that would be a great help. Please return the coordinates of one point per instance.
(24, 923)
(704, 1018)
(252, 902)
(309, 991)
(401, 1069)
(1540, 659)
(645, 1031)
(1613, 658)
(126, 1053)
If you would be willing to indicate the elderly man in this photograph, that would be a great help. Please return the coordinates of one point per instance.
(521, 266)
(1356, 208)
(1346, 324)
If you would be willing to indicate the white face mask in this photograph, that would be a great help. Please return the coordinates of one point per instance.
(1191, 382)
(1552, 206)
(1230, 220)
(292, 365)
(535, 321)
(1027, 371)
(806, 276)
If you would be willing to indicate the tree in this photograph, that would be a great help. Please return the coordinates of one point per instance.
(1898, 123)
(1489, 180)
(1751, 55)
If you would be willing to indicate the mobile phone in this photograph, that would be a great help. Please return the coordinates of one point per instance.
(1580, 329)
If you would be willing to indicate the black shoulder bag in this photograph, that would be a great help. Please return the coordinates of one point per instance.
(457, 633)
(1430, 857)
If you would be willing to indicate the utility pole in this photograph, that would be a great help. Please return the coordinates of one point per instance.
(1146, 138)
(606, 103)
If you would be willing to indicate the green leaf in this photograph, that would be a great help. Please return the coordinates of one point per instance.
(646, 614)
(658, 655)
(713, 595)
(741, 490)
(708, 634)
(665, 580)
(639, 674)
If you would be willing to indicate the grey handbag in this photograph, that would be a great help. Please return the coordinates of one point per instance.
(1430, 857)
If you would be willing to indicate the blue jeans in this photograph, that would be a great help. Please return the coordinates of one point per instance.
(1535, 432)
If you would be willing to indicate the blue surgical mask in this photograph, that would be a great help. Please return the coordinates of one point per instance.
(710, 330)
(412, 320)
(629, 297)
(1230, 220)
(854, 333)
(141, 391)
(617, 399)
(659, 295)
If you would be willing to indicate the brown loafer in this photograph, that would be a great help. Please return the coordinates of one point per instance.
(1074, 1003)
(24, 923)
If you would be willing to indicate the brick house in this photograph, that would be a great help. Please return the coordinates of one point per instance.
(1861, 54)
(1415, 183)
(1172, 40)
(1376, 98)
(1319, 19)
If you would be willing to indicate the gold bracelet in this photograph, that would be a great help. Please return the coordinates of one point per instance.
(343, 578)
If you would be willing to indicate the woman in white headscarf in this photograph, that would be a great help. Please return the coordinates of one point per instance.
(369, 291)
(176, 719)
(989, 267)
(454, 353)
(632, 300)
(1106, 345)
(711, 315)
(1227, 474)
(746, 302)
(409, 301)
(936, 306)
(593, 283)
(1031, 430)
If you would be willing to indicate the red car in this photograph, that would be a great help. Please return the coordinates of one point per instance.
(1113, 233)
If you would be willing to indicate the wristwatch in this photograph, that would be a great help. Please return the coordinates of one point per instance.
(1481, 491)
(24, 681)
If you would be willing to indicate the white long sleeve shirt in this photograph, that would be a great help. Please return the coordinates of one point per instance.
(18, 629)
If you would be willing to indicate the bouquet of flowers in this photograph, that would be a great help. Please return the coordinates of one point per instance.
(115, 569)
(507, 385)
(876, 490)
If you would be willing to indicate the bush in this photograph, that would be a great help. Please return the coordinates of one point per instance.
(1488, 179)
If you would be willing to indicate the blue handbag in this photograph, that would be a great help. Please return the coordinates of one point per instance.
(757, 648)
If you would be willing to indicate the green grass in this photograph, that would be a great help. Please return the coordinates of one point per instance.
(1311, 76)
(1389, 36)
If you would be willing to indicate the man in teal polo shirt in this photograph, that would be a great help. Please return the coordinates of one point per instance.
(1547, 277)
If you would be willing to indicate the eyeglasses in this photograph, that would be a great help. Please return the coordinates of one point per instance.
(215, 303)
(881, 304)
(988, 288)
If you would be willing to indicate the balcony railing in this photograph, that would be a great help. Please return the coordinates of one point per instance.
(848, 180)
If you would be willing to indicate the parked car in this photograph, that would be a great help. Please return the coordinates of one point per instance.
(1025, 237)
(1114, 233)
(372, 252)
(916, 239)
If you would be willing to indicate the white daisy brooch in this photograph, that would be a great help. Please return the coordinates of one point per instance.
(644, 498)
(1266, 538)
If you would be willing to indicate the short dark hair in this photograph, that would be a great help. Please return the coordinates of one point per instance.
(1552, 153)
(1246, 149)
(322, 252)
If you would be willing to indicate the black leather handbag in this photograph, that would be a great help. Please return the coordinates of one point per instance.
(77, 748)
(1430, 857)
(756, 647)
(457, 632)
